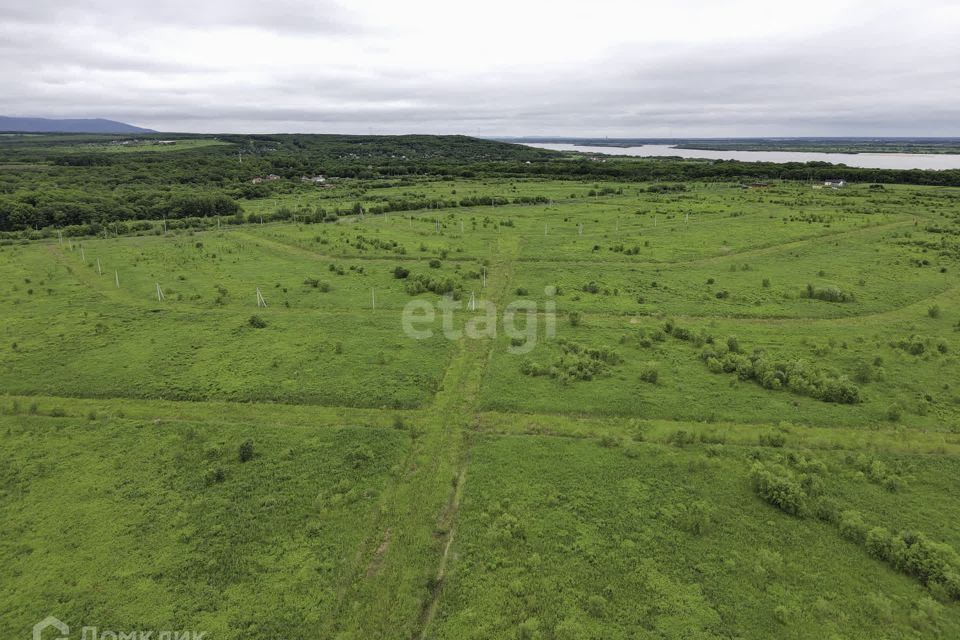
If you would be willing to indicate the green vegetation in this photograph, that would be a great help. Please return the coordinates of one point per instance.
(740, 423)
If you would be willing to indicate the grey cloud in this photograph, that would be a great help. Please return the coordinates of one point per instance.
(852, 79)
(283, 16)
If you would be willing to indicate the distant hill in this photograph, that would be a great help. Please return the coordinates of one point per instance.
(68, 125)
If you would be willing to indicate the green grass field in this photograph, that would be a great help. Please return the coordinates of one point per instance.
(601, 484)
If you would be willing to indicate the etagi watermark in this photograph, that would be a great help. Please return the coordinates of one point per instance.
(520, 320)
(51, 628)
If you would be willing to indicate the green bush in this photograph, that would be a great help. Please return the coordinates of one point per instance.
(215, 476)
(796, 376)
(830, 293)
(780, 488)
(695, 517)
(894, 412)
(257, 322)
(245, 451)
(852, 526)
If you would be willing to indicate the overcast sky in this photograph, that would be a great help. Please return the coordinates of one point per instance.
(492, 67)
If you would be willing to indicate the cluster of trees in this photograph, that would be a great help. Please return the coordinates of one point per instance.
(59, 180)
(420, 283)
(794, 375)
(75, 207)
(576, 362)
(830, 293)
(677, 169)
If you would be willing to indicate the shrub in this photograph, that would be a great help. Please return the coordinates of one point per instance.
(894, 412)
(695, 517)
(400, 272)
(649, 374)
(257, 322)
(245, 451)
(733, 344)
(434, 264)
(878, 543)
(360, 455)
(779, 488)
(772, 440)
(681, 438)
(215, 476)
(826, 509)
(596, 605)
(830, 293)
(574, 318)
(795, 375)
(934, 311)
(576, 362)
(852, 526)
(418, 284)
(783, 614)
(609, 441)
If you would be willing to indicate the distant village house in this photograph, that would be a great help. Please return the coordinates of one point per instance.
(269, 178)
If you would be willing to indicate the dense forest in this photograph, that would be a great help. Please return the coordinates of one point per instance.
(67, 180)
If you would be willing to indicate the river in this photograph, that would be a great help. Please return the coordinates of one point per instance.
(865, 160)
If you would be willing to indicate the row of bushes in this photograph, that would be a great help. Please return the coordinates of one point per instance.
(917, 345)
(794, 375)
(935, 565)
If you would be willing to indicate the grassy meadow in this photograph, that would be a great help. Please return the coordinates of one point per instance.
(306, 469)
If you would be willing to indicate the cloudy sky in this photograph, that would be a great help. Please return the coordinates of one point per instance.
(493, 67)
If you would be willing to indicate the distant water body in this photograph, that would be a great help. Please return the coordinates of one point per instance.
(865, 160)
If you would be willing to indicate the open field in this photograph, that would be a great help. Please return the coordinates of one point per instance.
(600, 477)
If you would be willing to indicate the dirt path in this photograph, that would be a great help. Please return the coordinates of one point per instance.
(400, 596)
